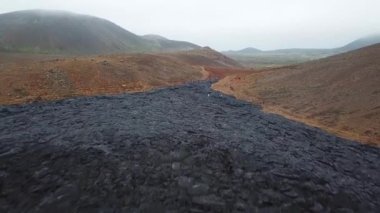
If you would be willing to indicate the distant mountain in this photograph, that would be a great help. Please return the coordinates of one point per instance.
(167, 45)
(252, 57)
(154, 37)
(363, 42)
(206, 57)
(246, 51)
(357, 44)
(59, 32)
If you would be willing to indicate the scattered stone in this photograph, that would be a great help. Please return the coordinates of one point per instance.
(185, 182)
(199, 189)
(63, 197)
(176, 166)
(345, 210)
(5, 110)
(3, 174)
(248, 175)
(317, 207)
(238, 172)
(285, 188)
(228, 193)
(105, 63)
(178, 155)
(291, 193)
(41, 173)
(209, 200)
(244, 194)
(195, 210)
(240, 205)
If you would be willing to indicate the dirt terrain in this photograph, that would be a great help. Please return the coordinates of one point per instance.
(340, 94)
(179, 149)
(28, 78)
(206, 57)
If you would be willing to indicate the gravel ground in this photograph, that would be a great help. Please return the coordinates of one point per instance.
(179, 149)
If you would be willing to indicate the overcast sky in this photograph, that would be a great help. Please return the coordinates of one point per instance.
(232, 24)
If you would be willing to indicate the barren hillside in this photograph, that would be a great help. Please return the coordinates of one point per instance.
(206, 57)
(340, 94)
(60, 78)
(26, 78)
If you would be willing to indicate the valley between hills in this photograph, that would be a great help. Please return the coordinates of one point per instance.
(94, 118)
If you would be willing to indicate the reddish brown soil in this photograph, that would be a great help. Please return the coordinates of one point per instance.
(205, 57)
(340, 94)
(60, 78)
(27, 78)
(6, 58)
(219, 73)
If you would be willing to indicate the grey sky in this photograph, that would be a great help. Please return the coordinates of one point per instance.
(233, 24)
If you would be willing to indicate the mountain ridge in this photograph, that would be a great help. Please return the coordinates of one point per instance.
(353, 45)
(291, 56)
(62, 32)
